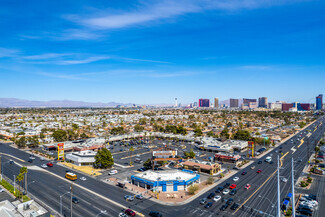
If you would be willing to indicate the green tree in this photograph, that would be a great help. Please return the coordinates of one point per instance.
(117, 131)
(210, 133)
(193, 189)
(147, 163)
(198, 132)
(103, 159)
(131, 149)
(225, 133)
(210, 180)
(242, 135)
(59, 135)
(21, 142)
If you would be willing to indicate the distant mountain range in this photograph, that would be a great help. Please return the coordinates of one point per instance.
(21, 103)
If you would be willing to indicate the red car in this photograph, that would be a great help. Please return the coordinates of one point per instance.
(232, 186)
(259, 171)
(49, 164)
(130, 212)
(248, 186)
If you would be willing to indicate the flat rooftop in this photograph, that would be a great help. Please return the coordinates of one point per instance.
(165, 175)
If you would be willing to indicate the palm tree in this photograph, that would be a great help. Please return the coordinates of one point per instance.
(130, 151)
(20, 179)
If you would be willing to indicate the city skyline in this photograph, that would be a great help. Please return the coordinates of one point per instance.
(149, 53)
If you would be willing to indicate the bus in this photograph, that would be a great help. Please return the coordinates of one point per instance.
(71, 176)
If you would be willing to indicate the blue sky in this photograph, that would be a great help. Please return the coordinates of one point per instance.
(153, 51)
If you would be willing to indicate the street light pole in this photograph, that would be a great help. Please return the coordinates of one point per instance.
(61, 201)
(71, 200)
(278, 202)
(293, 190)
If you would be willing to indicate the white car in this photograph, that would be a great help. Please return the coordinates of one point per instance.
(32, 158)
(284, 179)
(43, 166)
(217, 198)
(2, 190)
(42, 159)
(83, 179)
(226, 191)
(122, 215)
(112, 172)
(235, 179)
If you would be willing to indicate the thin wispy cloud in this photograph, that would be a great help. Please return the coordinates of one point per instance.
(258, 67)
(143, 60)
(5, 52)
(47, 56)
(149, 11)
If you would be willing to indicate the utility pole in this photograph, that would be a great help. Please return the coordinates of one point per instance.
(26, 182)
(278, 202)
(0, 167)
(71, 199)
(293, 190)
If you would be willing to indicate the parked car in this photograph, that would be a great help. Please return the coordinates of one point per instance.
(130, 212)
(112, 172)
(155, 214)
(208, 205)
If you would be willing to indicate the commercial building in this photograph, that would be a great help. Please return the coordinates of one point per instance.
(262, 102)
(26, 209)
(319, 102)
(202, 167)
(227, 157)
(246, 101)
(216, 102)
(233, 103)
(227, 146)
(296, 106)
(163, 154)
(286, 106)
(275, 105)
(204, 103)
(165, 181)
(81, 158)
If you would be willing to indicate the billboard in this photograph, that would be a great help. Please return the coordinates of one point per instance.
(250, 149)
(61, 151)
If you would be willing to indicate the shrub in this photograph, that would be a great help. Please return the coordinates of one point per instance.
(193, 188)
(221, 175)
(210, 180)
(309, 179)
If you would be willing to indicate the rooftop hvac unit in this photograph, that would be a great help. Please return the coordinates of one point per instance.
(26, 206)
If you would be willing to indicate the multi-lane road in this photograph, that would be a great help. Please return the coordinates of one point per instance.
(95, 195)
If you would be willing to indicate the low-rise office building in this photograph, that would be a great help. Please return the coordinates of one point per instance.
(81, 158)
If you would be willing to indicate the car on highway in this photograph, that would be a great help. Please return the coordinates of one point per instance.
(232, 186)
(83, 178)
(2, 190)
(224, 207)
(235, 179)
(128, 197)
(42, 159)
(203, 200)
(230, 201)
(243, 173)
(30, 160)
(259, 162)
(11, 161)
(259, 171)
(130, 212)
(284, 179)
(32, 157)
(248, 186)
(217, 198)
(219, 189)
(122, 215)
(208, 205)
(226, 185)
(234, 206)
(49, 164)
(43, 166)
(211, 195)
(226, 191)
(139, 196)
(233, 192)
(75, 200)
(155, 214)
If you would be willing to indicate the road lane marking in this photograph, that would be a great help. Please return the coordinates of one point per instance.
(13, 157)
(301, 142)
(281, 163)
(293, 149)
